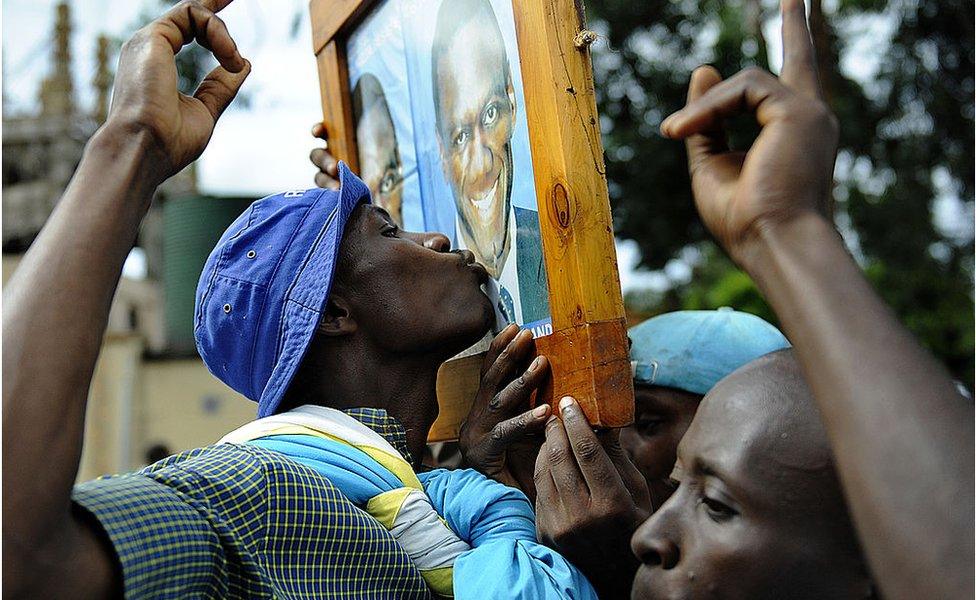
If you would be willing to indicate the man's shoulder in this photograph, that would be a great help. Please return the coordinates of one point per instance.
(239, 470)
(242, 504)
(235, 461)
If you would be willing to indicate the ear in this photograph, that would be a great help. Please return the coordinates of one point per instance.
(337, 320)
(510, 90)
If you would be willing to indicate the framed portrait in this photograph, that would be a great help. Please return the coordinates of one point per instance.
(477, 119)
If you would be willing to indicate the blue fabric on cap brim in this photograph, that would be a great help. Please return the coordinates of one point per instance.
(263, 289)
(692, 350)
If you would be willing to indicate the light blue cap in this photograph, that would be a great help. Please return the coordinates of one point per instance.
(692, 350)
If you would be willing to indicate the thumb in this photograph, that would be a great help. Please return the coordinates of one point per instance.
(219, 88)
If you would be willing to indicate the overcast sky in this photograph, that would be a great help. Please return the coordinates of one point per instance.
(269, 143)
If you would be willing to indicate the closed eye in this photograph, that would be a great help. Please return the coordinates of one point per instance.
(649, 426)
(717, 510)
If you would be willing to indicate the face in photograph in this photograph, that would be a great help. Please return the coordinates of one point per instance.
(474, 103)
(379, 158)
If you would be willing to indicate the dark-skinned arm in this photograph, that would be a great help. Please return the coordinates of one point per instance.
(56, 305)
(901, 433)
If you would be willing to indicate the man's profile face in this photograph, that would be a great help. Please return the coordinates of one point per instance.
(758, 512)
(476, 114)
(661, 418)
(408, 295)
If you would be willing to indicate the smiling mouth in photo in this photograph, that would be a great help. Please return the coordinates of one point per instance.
(484, 203)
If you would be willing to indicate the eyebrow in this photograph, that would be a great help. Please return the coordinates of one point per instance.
(382, 212)
(708, 469)
(466, 118)
(739, 492)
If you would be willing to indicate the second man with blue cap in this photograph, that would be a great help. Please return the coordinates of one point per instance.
(677, 358)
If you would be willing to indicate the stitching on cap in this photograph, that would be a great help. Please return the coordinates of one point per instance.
(220, 259)
(274, 273)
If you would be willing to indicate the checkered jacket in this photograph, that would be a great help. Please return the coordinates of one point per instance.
(238, 521)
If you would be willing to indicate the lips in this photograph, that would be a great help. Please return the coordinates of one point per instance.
(467, 258)
(481, 271)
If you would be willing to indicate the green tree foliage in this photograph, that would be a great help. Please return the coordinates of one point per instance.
(906, 140)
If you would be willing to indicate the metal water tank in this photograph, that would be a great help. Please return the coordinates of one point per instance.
(191, 227)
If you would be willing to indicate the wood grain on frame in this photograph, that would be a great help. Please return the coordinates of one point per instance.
(588, 349)
(333, 19)
(337, 104)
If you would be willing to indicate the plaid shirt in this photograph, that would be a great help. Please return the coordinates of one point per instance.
(238, 521)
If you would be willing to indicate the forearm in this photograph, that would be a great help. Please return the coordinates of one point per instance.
(901, 433)
(55, 311)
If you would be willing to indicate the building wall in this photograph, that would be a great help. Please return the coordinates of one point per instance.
(186, 407)
(136, 403)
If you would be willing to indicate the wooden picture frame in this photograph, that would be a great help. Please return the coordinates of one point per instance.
(588, 349)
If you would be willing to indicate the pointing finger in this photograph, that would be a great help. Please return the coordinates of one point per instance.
(594, 464)
(799, 57)
(194, 20)
(509, 361)
(517, 393)
(501, 341)
(570, 483)
(318, 131)
(703, 145)
(512, 430)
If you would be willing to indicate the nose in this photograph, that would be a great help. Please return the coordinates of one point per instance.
(438, 242)
(652, 544)
(481, 160)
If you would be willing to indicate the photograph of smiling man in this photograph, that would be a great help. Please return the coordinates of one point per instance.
(466, 90)
(442, 139)
(381, 116)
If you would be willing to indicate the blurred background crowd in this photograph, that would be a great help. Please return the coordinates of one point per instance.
(898, 74)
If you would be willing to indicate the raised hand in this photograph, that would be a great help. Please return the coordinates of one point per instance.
(152, 132)
(497, 437)
(590, 500)
(146, 99)
(788, 171)
(766, 207)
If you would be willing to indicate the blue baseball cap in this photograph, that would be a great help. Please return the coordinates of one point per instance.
(264, 286)
(692, 350)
